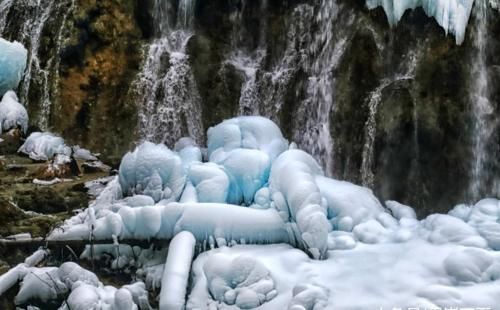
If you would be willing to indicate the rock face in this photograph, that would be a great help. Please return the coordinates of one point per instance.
(392, 108)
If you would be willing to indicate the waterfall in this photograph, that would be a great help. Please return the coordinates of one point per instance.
(246, 61)
(324, 52)
(483, 111)
(31, 33)
(166, 90)
(275, 84)
(250, 101)
(374, 100)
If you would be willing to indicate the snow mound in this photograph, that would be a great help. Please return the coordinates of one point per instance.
(12, 113)
(43, 146)
(153, 170)
(452, 15)
(348, 204)
(240, 281)
(13, 57)
(309, 297)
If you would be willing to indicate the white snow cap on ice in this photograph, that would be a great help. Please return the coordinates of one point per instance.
(12, 113)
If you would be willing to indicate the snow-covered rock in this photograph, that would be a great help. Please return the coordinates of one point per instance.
(83, 154)
(12, 113)
(452, 15)
(13, 57)
(43, 146)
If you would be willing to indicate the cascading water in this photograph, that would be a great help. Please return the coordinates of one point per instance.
(31, 33)
(246, 61)
(325, 52)
(167, 92)
(483, 111)
(316, 54)
(250, 101)
(275, 84)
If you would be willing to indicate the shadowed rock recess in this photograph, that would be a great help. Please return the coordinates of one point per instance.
(387, 107)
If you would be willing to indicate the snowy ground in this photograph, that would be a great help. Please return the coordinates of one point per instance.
(388, 276)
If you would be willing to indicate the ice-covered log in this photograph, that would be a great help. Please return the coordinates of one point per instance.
(206, 221)
(176, 272)
(13, 57)
(452, 15)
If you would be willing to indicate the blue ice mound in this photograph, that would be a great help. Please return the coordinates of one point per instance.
(245, 147)
(43, 146)
(245, 132)
(12, 113)
(248, 171)
(210, 181)
(152, 170)
(452, 15)
(13, 57)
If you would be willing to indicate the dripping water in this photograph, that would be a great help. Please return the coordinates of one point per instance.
(169, 100)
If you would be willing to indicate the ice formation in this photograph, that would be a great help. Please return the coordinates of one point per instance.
(297, 197)
(46, 284)
(153, 170)
(12, 113)
(13, 57)
(245, 132)
(279, 234)
(43, 146)
(452, 15)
